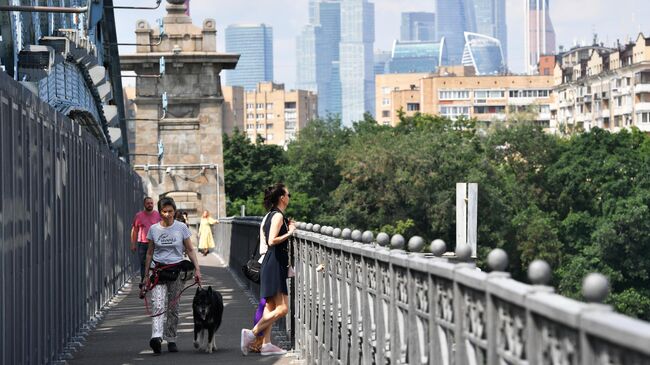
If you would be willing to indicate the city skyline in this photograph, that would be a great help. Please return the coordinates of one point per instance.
(622, 22)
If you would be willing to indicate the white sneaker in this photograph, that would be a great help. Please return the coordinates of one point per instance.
(247, 337)
(270, 349)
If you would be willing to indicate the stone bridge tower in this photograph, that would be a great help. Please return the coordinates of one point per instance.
(178, 151)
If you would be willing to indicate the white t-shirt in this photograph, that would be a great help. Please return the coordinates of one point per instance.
(168, 242)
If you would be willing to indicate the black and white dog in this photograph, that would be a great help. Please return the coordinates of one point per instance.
(207, 307)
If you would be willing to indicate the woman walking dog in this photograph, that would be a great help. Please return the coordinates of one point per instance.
(274, 271)
(167, 239)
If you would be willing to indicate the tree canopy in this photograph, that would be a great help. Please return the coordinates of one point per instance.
(581, 203)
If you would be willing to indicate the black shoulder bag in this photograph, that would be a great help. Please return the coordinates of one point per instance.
(252, 267)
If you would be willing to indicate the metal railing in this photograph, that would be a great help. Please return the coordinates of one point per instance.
(66, 205)
(357, 301)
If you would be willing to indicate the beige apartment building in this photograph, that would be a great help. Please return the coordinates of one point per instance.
(276, 114)
(457, 91)
(608, 88)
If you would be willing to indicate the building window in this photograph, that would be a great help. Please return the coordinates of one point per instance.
(250, 126)
(290, 115)
(269, 116)
(260, 127)
(489, 94)
(643, 117)
(290, 105)
(259, 116)
(250, 106)
(529, 93)
(269, 126)
(260, 105)
(386, 90)
(269, 106)
(454, 111)
(385, 101)
(385, 113)
(412, 107)
(387, 123)
(269, 137)
(491, 109)
(453, 95)
(290, 125)
(250, 116)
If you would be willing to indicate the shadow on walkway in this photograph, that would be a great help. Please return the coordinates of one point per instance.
(123, 335)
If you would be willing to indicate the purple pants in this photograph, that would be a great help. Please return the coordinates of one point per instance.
(260, 313)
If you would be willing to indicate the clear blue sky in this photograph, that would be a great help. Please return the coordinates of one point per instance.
(574, 21)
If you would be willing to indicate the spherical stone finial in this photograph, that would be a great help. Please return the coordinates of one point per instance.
(416, 244)
(346, 233)
(302, 225)
(329, 230)
(316, 228)
(309, 226)
(497, 260)
(397, 242)
(463, 251)
(356, 235)
(438, 247)
(367, 237)
(336, 232)
(595, 288)
(539, 272)
(383, 239)
(323, 229)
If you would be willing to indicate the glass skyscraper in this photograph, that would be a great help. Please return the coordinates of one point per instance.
(491, 21)
(418, 26)
(254, 42)
(453, 19)
(540, 35)
(484, 54)
(357, 60)
(412, 57)
(317, 52)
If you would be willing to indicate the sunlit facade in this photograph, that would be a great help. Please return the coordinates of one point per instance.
(254, 42)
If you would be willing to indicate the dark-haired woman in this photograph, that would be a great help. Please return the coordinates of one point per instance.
(274, 273)
(167, 239)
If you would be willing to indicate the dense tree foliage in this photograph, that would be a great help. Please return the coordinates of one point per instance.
(581, 203)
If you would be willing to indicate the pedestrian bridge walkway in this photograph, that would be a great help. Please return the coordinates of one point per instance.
(122, 336)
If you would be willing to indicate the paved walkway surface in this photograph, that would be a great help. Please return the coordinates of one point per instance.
(123, 335)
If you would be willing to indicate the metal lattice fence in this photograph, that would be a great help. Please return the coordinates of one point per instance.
(65, 213)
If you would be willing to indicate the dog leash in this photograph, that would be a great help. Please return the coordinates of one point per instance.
(172, 304)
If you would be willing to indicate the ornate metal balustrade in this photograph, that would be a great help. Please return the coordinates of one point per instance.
(357, 301)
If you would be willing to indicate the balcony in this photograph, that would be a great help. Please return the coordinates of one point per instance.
(605, 113)
(625, 109)
(642, 88)
(588, 98)
(642, 107)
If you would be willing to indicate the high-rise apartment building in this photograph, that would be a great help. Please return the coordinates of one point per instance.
(491, 21)
(254, 42)
(608, 88)
(540, 35)
(456, 91)
(269, 110)
(317, 49)
(418, 26)
(453, 19)
(357, 59)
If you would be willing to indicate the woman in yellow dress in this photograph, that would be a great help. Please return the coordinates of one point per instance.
(206, 242)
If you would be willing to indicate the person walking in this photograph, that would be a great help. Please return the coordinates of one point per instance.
(274, 271)
(141, 223)
(206, 241)
(167, 240)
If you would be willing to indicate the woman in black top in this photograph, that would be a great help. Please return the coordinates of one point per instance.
(274, 272)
